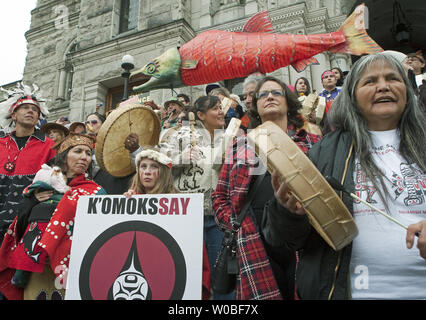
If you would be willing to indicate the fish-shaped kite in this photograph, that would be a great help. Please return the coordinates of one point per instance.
(217, 55)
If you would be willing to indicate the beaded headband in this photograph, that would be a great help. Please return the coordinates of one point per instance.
(327, 72)
(73, 140)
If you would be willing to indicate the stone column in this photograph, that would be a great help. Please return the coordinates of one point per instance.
(101, 97)
(91, 97)
(313, 4)
(251, 7)
(283, 74)
(294, 75)
(340, 60)
(62, 84)
(205, 17)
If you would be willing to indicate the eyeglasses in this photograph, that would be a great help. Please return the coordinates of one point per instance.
(265, 94)
(92, 122)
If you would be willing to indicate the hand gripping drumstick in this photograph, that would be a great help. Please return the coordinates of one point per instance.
(336, 185)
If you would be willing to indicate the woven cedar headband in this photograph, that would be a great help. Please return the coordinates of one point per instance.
(73, 140)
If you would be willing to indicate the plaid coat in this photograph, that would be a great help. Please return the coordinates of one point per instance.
(256, 280)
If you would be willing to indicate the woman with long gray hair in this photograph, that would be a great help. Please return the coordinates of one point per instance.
(377, 152)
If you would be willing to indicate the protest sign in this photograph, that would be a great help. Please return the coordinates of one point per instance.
(139, 248)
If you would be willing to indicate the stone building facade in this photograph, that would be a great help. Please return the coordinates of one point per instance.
(75, 47)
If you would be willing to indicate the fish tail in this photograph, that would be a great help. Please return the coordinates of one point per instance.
(358, 42)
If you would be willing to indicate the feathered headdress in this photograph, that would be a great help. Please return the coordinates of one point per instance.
(21, 94)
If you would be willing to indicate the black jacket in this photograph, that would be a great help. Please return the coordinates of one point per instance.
(322, 273)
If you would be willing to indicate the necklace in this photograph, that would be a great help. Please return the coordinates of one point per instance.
(9, 166)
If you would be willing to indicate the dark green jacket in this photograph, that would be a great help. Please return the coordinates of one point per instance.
(322, 273)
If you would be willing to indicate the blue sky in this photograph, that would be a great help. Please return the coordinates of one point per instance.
(15, 19)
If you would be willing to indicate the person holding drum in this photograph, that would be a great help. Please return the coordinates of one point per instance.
(112, 184)
(265, 272)
(378, 153)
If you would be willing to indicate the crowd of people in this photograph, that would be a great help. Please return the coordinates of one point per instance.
(370, 137)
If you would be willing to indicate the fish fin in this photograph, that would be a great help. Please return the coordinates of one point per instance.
(301, 65)
(357, 42)
(189, 64)
(260, 22)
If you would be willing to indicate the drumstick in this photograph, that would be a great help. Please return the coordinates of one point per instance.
(191, 117)
(336, 185)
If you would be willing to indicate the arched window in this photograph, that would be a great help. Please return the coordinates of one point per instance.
(69, 69)
(66, 74)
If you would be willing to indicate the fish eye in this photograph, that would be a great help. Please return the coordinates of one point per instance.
(151, 68)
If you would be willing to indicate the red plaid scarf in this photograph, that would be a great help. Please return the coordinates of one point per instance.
(256, 279)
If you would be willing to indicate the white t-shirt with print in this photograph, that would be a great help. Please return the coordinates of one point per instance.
(381, 265)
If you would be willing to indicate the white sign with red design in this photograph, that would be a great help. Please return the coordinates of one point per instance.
(140, 248)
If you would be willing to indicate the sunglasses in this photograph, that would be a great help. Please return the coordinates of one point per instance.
(92, 122)
(265, 94)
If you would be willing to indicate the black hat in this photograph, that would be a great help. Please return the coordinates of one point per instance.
(212, 86)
